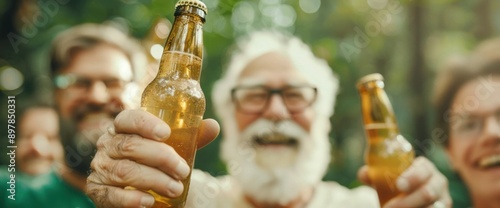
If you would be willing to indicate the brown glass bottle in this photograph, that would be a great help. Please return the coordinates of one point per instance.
(175, 94)
(388, 153)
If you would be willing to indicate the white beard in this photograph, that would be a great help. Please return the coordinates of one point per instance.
(276, 175)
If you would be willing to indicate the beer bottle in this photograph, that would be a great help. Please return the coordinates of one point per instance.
(175, 94)
(388, 153)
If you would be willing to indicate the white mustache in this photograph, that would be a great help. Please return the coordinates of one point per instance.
(284, 130)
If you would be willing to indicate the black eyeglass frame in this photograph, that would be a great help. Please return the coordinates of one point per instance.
(271, 92)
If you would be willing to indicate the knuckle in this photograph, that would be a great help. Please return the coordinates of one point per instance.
(122, 169)
(428, 195)
(168, 154)
(126, 144)
(167, 149)
(101, 142)
(93, 165)
(99, 164)
(98, 194)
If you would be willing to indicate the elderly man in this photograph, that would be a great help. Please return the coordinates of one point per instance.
(275, 102)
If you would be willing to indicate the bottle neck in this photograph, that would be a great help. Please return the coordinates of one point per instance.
(377, 110)
(185, 44)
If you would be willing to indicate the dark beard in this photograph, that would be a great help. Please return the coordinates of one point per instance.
(78, 150)
(80, 147)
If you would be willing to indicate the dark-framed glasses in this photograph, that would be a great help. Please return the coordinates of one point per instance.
(471, 126)
(254, 99)
(82, 84)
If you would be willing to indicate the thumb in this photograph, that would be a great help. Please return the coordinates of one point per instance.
(208, 131)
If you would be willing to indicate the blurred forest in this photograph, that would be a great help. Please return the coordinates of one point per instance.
(404, 40)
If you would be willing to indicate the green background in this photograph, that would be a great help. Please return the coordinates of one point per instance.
(406, 41)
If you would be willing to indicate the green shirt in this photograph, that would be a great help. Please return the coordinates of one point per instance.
(43, 191)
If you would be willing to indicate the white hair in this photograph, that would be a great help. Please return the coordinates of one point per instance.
(316, 71)
(314, 158)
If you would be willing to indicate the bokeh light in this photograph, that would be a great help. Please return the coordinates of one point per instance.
(285, 16)
(11, 78)
(156, 51)
(162, 29)
(377, 4)
(243, 16)
(310, 6)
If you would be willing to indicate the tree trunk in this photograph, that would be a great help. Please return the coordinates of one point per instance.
(417, 76)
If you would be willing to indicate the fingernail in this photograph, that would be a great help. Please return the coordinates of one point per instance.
(160, 131)
(182, 169)
(176, 188)
(147, 201)
(402, 184)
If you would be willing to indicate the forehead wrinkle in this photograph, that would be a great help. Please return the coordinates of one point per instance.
(250, 81)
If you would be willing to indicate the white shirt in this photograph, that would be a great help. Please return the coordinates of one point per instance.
(224, 192)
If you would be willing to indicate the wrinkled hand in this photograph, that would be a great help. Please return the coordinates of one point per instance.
(423, 184)
(133, 154)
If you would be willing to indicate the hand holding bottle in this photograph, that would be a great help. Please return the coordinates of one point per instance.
(390, 167)
(133, 153)
(421, 185)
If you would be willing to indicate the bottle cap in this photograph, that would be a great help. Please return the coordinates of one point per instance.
(369, 78)
(193, 3)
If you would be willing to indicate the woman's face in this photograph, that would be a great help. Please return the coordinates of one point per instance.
(474, 146)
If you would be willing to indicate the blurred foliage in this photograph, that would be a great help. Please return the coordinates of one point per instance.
(405, 40)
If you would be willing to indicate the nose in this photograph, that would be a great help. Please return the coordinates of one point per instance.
(39, 144)
(276, 109)
(97, 93)
(491, 132)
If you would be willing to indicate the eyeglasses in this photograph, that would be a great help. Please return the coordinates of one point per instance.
(254, 99)
(471, 126)
(81, 84)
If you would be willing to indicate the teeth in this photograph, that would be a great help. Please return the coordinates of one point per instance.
(490, 161)
(275, 139)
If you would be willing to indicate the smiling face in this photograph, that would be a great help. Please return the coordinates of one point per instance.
(274, 71)
(102, 71)
(88, 104)
(39, 144)
(274, 130)
(474, 144)
(276, 144)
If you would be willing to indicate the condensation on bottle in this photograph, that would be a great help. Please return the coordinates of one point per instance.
(387, 153)
(175, 94)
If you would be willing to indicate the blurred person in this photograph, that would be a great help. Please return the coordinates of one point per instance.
(39, 146)
(274, 101)
(467, 103)
(94, 67)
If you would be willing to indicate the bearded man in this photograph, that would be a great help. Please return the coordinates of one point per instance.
(274, 101)
(93, 67)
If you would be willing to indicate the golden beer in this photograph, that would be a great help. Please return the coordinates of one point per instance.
(175, 94)
(388, 153)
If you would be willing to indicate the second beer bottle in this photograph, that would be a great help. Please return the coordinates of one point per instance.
(388, 153)
(175, 94)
